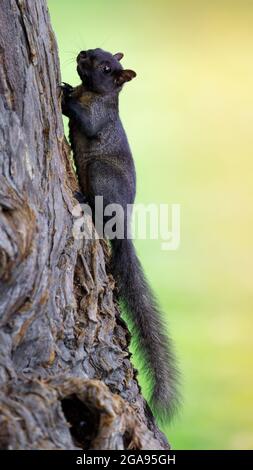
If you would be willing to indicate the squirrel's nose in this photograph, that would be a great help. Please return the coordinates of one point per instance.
(82, 56)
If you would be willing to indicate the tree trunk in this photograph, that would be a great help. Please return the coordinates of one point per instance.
(66, 380)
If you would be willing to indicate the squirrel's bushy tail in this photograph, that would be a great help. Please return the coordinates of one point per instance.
(154, 345)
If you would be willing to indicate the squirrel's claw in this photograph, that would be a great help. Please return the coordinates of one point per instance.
(66, 91)
(66, 88)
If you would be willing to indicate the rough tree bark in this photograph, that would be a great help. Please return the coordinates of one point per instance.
(66, 380)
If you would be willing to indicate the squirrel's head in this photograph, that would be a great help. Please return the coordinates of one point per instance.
(101, 71)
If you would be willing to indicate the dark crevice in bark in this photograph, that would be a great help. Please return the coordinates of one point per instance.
(83, 421)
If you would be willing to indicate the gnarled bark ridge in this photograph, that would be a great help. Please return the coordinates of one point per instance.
(66, 380)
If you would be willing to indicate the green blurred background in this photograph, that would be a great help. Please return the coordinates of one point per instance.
(188, 115)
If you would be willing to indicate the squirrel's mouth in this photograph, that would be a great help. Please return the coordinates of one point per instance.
(83, 65)
(81, 72)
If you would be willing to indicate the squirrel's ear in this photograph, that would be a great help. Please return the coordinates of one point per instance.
(124, 76)
(119, 56)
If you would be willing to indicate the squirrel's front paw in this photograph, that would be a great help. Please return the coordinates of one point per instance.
(66, 90)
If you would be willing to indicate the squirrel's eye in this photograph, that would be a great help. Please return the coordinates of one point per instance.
(107, 69)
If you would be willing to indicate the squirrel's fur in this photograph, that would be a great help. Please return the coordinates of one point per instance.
(105, 168)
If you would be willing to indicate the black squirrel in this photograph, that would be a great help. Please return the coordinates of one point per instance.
(105, 168)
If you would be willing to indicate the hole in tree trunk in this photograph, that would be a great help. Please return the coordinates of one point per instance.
(84, 422)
